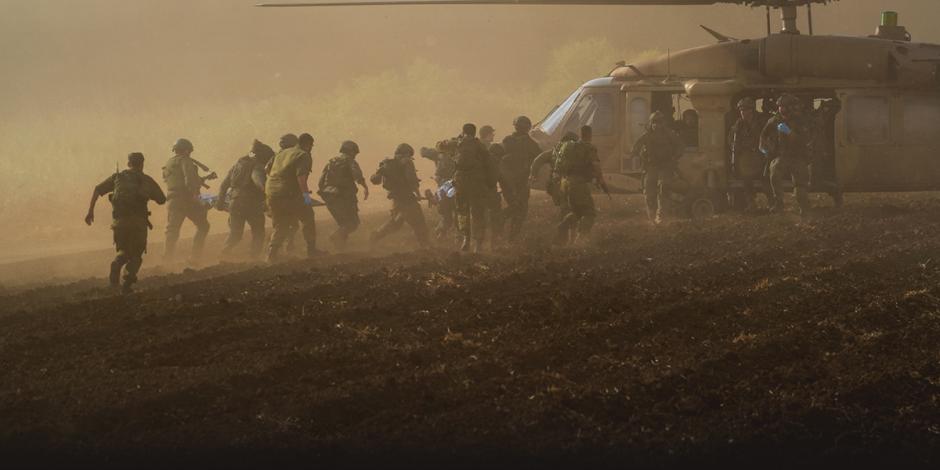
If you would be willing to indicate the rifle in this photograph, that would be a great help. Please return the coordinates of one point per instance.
(202, 166)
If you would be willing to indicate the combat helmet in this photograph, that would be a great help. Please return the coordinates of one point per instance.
(747, 103)
(183, 145)
(288, 141)
(788, 99)
(522, 124)
(570, 136)
(404, 150)
(261, 150)
(350, 148)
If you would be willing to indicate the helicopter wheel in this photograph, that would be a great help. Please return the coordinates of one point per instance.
(702, 208)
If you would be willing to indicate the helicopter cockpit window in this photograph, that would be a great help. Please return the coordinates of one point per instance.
(551, 122)
(595, 110)
(921, 120)
(868, 119)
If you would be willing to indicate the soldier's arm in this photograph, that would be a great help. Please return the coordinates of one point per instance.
(358, 178)
(411, 176)
(191, 177)
(638, 145)
(430, 154)
(101, 189)
(226, 183)
(155, 192)
(304, 168)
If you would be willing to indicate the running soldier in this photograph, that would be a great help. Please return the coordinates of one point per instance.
(787, 139)
(659, 149)
(553, 188)
(338, 188)
(288, 194)
(474, 179)
(399, 177)
(578, 166)
(521, 150)
(183, 184)
(130, 191)
(443, 157)
(242, 195)
(747, 162)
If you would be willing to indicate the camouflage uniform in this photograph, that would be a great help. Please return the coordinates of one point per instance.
(474, 180)
(130, 224)
(553, 188)
(286, 201)
(521, 151)
(399, 177)
(242, 193)
(444, 167)
(660, 150)
(790, 155)
(494, 207)
(578, 166)
(183, 185)
(747, 162)
(338, 189)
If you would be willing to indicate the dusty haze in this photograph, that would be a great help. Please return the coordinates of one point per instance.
(85, 82)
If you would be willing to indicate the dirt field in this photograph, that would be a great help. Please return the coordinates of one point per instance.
(738, 339)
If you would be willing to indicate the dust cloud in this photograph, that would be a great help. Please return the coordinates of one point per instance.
(84, 83)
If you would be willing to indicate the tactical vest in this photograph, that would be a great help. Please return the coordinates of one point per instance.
(174, 177)
(520, 151)
(128, 198)
(797, 145)
(660, 148)
(337, 177)
(393, 176)
(575, 160)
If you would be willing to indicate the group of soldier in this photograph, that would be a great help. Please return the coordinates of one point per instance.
(482, 186)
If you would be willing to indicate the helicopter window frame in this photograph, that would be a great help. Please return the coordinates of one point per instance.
(918, 128)
(554, 119)
(596, 108)
(868, 119)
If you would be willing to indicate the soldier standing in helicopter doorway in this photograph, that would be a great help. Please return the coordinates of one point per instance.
(787, 140)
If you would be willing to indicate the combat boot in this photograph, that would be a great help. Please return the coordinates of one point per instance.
(127, 288)
(114, 278)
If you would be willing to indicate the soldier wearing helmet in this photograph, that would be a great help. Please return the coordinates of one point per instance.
(521, 151)
(399, 177)
(474, 180)
(747, 163)
(550, 158)
(338, 189)
(130, 191)
(242, 195)
(443, 157)
(183, 184)
(787, 141)
(288, 194)
(659, 149)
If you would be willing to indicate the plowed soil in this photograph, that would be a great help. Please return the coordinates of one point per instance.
(745, 339)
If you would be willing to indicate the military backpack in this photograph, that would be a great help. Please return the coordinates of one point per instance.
(128, 198)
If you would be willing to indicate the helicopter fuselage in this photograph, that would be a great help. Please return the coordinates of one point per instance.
(885, 138)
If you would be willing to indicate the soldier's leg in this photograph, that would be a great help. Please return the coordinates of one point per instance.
(665, 191)
(651, 191)
(584, 201)
(462, 211)
(496, 220)
(478, 206)
(394, 222)
(776, 184)
(282, 225)
(414, 217)
(446, 210)
(199, 216)
(135, 254)
(120, 259)
(236, 228)
(176, 214)
(256, 221)
(799, 171)
(307, 219)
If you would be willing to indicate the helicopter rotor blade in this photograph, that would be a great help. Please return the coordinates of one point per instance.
(771, 3)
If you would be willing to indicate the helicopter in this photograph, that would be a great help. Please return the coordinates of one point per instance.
(883, 139)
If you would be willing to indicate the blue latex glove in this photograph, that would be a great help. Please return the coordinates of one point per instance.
(308, 199)
(784, 129)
